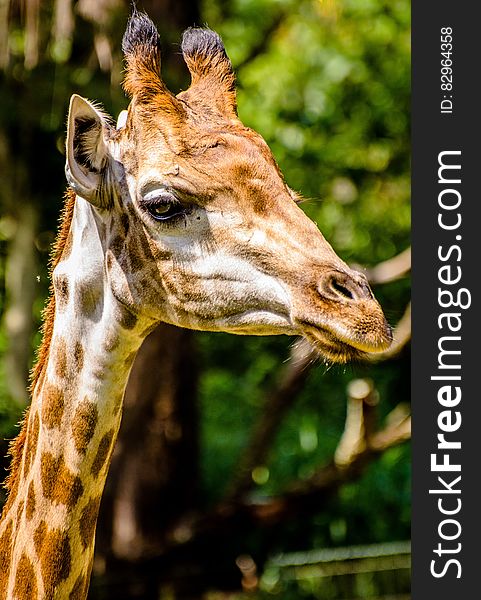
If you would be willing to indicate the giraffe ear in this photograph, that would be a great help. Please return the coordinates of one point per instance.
(88, 158)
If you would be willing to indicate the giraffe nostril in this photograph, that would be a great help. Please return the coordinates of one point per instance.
(343, 286)
(341, 289)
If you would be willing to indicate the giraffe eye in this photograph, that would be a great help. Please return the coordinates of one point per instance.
(162, 212)
(162, 206)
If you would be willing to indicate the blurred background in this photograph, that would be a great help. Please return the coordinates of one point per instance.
(245, 467)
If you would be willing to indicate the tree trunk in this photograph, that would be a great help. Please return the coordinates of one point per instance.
(20, 288)
(153, 478)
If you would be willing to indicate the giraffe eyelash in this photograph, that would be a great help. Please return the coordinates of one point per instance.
(162, 206)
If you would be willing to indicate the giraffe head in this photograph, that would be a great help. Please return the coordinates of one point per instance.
(199, 227)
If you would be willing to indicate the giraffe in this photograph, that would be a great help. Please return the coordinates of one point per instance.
(179, 214)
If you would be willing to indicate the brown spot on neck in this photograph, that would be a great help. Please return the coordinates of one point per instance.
(6, 547)
(88, 521)
(102, 453)
(59, 484)
(53, 403)
(78, 356)
(88, 300)
(109, 258)
(125, 223)
(84, 423)
(62, 292)
(117, 245)
(25, 580)
(60, 358)
(53, 549)
(39, 535)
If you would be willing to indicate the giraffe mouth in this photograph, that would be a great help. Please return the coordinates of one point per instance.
(338, 347)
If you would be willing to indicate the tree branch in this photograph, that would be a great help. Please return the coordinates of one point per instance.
(401, 337)
(359, 446)
(391, 269)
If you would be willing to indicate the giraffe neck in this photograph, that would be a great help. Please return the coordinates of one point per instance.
(48, 526)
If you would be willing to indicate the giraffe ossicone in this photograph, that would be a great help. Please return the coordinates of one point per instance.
(179, 214)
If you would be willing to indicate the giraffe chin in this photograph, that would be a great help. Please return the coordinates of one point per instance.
(337, 350)
(334, 351)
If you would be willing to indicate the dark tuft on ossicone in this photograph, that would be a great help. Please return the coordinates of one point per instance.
(204, 42)
(141, 46)
(140, 33)
(210, 67)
